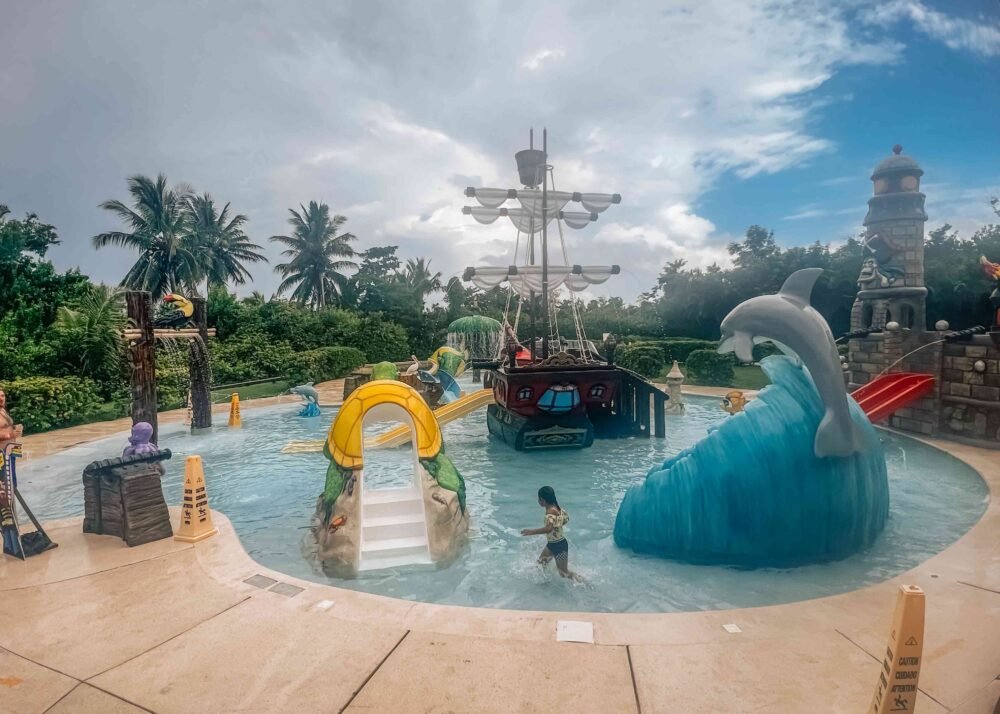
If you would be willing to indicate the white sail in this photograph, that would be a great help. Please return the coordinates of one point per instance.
(531, 199)
(526, 279)
(526, 220)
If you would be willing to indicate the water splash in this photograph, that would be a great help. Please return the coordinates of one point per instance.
(752, 493)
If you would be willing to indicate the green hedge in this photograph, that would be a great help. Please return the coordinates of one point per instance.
(43, 403)
(676, 348)
(322, 364)
(764, 349)
(680, 348)
(642, 357)
(249, 355)
(173, 378)
(710, 368)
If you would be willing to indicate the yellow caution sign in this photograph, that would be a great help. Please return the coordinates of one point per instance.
(234, 410)
(196, 516)
(897, 682)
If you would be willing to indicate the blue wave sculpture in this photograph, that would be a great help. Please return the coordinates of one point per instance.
(753, 493)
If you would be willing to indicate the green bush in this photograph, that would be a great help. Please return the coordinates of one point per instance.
(764, 349)
(43, 403)
(710, 368)
(322, 364)
(249, 355)
(680, 348)
(381, 341)
(173, 378)
(676, 348)
(643, 357)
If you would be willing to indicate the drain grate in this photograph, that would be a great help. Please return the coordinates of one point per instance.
(260, 581)
(286, 589)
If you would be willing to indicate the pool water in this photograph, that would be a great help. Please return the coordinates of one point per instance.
(270, 498)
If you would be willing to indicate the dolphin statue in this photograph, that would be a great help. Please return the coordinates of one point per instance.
(307, 392)
(789, 321)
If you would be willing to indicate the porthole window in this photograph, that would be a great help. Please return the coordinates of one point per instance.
(524, 393)
(598, 390)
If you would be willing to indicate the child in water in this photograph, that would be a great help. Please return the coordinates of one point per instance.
(555, 519)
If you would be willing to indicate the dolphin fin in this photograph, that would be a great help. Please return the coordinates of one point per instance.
(739, 342)
(799, 285)
(832, 440)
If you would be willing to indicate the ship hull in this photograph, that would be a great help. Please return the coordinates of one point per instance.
(544, 407)
(570, 431)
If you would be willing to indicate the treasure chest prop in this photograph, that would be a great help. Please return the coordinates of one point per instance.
(124, 497)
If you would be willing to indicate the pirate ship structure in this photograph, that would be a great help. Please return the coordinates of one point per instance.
(556, 392)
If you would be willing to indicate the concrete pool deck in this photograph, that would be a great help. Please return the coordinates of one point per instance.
(94, 626)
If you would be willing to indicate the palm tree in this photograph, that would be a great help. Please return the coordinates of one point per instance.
(223, 246)
(157, 228)
(94, 327)
(418, 278)
(256, 298)
(314, 248)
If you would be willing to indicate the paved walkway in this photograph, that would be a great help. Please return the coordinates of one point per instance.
(94, 626)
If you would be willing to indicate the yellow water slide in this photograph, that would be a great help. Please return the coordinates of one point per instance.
(401, 434)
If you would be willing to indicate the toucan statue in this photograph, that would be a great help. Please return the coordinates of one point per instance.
(179, 316)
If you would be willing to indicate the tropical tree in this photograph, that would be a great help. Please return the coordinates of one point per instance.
(223, 247)
(418, 278)
(157, 227)
(317, 252)
(93, 329)
(27, 236)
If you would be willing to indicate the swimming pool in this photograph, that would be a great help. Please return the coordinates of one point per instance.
(270, 498)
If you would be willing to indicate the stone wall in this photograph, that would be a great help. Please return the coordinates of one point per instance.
(970, 398)
(866, 358)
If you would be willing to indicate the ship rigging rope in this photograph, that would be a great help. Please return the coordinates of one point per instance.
(506, 308)
(581, 334)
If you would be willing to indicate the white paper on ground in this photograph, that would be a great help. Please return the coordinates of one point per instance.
(732, 629)
(575, 631)
(323, 605)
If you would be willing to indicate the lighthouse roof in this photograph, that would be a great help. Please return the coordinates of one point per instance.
(897, 163)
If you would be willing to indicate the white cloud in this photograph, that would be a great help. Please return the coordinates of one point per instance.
(806, 213)
(542, 57)
(387, 116)
(980, 36)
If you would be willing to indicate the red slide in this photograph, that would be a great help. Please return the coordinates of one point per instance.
(884, 395)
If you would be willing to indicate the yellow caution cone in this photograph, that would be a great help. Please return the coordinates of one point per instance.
(196, 516)
(234, 410)
(897, 682)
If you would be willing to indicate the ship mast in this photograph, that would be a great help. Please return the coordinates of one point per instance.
(545, 244)
(530, 279)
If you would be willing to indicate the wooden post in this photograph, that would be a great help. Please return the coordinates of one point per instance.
(659, 418)
(643, 395)
(139, 306)
(200, 369)
(628, 404)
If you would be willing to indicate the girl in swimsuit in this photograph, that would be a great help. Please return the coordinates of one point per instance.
(555, 519)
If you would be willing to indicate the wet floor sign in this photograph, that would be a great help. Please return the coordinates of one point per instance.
(234, 410)
(196, 516)
(897, 683)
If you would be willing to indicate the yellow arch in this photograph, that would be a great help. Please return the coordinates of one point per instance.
(345, 440)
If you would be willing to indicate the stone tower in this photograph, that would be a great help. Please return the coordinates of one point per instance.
(891, 285)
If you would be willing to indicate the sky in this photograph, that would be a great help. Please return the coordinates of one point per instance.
(706, 115)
